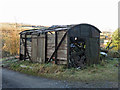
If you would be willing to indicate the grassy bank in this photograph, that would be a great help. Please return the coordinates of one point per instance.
(106, 71)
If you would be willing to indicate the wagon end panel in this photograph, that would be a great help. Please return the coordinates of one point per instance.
(92, 51)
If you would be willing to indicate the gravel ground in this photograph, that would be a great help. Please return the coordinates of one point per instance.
(12, 79)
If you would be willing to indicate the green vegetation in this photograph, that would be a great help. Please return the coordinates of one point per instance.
(107, 70)
(116, 38)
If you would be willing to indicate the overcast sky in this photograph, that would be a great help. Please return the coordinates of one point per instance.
(100, 13)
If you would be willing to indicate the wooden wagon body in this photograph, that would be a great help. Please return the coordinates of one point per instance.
(59, 44)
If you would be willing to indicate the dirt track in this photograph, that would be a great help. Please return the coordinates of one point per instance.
(12, 79)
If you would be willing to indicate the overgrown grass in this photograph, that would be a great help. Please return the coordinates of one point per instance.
(107, 70)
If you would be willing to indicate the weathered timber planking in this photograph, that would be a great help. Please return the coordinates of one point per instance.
(22, 49)
(41, 49)
(62, 51)
(62, 46)
(60, 37)
(62, 62)
(50, 48)
(51, 45)
(34, 49)
(49, 52)
(50, 35)
(62, 54)
(82, 31)
(28, 36)
(51, 41)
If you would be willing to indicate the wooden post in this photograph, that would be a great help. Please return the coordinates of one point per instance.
(20, 58)
(56, 47)
(68, 50)
(37, 48)
(45, 47)
(25, 48)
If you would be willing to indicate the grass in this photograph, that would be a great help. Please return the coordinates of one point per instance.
(107, 70)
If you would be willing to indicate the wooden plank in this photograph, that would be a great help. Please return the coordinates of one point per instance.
(51, 35)
(51, 48)
(28, 36)
(62, 46)
(62, 51)
(58, 46)
(92, 51)
(62, 58)
(41, 49)
(64, 42)
(62, 62)
(49, 52)
(28, 43)
(68, 50)
(61, 32)
(50, 44)
(60, 37)
(51, 40)
(34, 49)
(34, 36)
(23, 35)
(62, 54)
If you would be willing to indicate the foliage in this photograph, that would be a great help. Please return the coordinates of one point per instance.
(10, 39)
(113, 54)
(116, 38)
(11, 42)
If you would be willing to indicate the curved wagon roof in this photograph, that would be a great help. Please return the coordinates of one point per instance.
(89, 26)
(57, 28)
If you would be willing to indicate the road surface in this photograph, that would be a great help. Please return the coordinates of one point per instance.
(12, 79)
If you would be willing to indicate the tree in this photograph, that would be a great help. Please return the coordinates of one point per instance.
(10, 39)
(116, 39)
(11, 42)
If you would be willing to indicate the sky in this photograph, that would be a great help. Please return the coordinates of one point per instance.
(101, 13)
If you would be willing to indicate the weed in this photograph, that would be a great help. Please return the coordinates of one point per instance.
(106, 70)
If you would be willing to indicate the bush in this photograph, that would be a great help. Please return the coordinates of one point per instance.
(10, 39)
(113, 54)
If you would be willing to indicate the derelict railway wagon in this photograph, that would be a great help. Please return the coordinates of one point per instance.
(73, 45)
